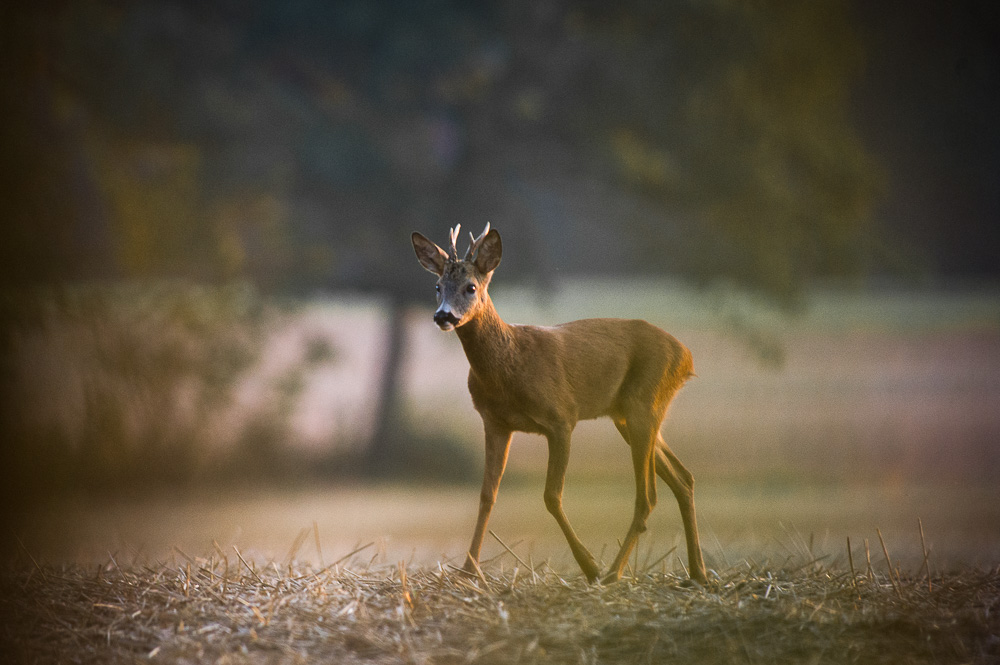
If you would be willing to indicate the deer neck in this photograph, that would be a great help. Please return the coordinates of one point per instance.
(488, 342)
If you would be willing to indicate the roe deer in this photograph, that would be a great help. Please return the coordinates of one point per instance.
(544, 380)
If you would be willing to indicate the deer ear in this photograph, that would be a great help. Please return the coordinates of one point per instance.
(430, 256)
(488, 256)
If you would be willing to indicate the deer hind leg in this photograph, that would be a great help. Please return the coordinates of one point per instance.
(554, 481)
(681, 483)
(640, 434)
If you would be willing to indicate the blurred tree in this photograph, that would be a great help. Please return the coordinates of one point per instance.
(737, 120)
(297, 144)
(782, 181)
(52, 225)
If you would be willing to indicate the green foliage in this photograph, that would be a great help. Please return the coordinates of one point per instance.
(762, 151)
(297, 144)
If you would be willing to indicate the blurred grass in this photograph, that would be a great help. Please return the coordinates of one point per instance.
(198, 415)
(892, 383)
(823, 308)
(115, 385)
(425, 524)
(167, 381)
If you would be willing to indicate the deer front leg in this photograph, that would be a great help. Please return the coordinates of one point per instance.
(497, 447)
(554, 480)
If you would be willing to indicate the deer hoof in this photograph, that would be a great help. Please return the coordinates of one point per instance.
(612, 577)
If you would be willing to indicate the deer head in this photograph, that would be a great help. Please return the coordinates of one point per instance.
(462, 283)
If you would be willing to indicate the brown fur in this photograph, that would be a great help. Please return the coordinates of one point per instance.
(546, 379)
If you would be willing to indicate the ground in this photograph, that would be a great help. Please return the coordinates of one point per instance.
(224, 609)
(368, 575)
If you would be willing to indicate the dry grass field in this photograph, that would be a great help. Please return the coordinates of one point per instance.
(226, 609)
(879, 427)
(367, 575)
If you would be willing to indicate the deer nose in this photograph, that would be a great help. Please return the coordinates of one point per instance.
(443, 318)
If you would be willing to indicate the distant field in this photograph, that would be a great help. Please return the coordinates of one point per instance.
(889, 383)
(879, 384)
(885, 408)
(739, 520)
(876, 385)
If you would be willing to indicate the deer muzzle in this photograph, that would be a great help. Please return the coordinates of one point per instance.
(445, 320)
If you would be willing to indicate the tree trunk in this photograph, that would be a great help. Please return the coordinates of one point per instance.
(382, 456)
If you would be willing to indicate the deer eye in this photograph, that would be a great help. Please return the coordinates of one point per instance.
(437, 287)
(470, 289)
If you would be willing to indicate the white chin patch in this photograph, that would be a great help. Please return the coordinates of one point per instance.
(447, 326)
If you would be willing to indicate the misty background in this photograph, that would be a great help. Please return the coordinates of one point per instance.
(205, 260)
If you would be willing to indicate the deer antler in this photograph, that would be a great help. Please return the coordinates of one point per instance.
(453, 236)
(476, 242)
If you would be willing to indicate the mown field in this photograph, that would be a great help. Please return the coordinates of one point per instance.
(868, 418)
(368, 574)
(225, 609)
